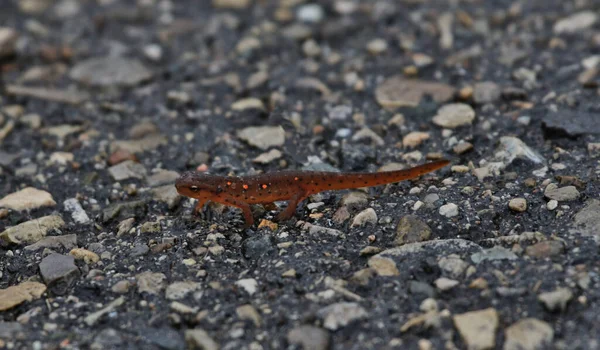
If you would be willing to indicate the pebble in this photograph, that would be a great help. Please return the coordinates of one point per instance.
(528, 334)
(339, 315)
(414, 139)
(309, 337)
(94, 317)
(576, 22)
(248, 313)
(587, 220)
(398, 91)
(121, 287)
(486, 92)
(445, 284)
(199, 339)
(153, 52)
(127, 170)
(492, 254)
(27, 199)
(179, 290)
(250, 285)
(66, 242)
(247, 104)
(449, 210)
(552, 204)
(110, 71)
(478, 328)
(61, 158)
(562, 194)
(556, 300)
(377, 46)
(513, 148)
(16, 295)
(263, 137)
(367, 216)
(310, 13)
(411, 229)
(454, 115)
(545, 249)
(150, 282)
(167, 194)
(462, 147)
(518, 204)
(268, 157)
(59, 272)
(31, 231)
(316, 230)
(571, 123)
(453, 266)
(8, 40)
(77, 213)
(368, 134)
(87, 256)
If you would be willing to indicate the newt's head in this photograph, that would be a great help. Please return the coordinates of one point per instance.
(194, 184)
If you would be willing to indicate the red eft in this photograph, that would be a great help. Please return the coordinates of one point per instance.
(293, 186)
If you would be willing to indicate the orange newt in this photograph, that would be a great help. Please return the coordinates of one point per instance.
(293, 186)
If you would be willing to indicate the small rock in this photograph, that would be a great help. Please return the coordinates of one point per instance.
(147, 143)
(453, 265)
(552, 204)
(94, 317)
(545, 249)
(309, 337)
(8, 39)
(556, 300)
(572, 123)
(445, 284)
(67, 242)
(492, 254)
(167, 194)
(248, 103)
(414, 139)
(486, 92)
(127, 170)
(77, 213)
(576, 22)
(268, 157)
(31, 231)
(198, 339)
(454, 115)
(528, 334)
(15, 295)
(384, 266)
(398, 91)
(27, 199)
(110, 71)
(377, 46)
(248, 313)
(121, 287)
(562, 194)
(250, 285)
(518, 204)
(339, 315)
(310, 13)
(367, 216)
(593, 148)
(316, 230)
(513, 148)
(462, 148)
(478, 328)
(263, 137)
(449, 210)
(258, 246)
(150, 282)
(587, 220)
(179, 290)
(87, 256)
(153, 52)
(59, 272)
(411, 229)
(354, 200)
(362, 277)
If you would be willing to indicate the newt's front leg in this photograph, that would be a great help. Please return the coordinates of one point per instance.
(245, 207)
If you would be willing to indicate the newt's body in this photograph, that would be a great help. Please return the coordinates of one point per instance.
(293, 186)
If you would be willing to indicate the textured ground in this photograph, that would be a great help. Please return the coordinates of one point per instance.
(104, 103)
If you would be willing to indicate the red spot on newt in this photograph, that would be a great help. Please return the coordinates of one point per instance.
(205, 187)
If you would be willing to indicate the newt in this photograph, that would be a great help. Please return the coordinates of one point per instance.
(290, 186)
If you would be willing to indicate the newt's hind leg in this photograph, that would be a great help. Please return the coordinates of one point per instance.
(292, 205)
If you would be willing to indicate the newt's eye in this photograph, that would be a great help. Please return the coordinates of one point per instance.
(194, 188)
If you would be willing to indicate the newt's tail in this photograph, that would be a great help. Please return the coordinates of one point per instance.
(356, 180)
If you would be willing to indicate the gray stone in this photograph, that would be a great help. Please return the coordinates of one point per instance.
(528, 334)
(309, 337)
(110, 71)
(31, 231)
(59, 272)
(562, 194)
(263, 137)
(556, 300)
(127, 170)
(66, 242)
(411, 229)
(179, 290)
(478, 328)
(454, 115)
(150, 282)
(494, 253)
(339, 315)
(587, 220)
(486, 92)
(398, 91)
(8, 39)
(199, 339)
